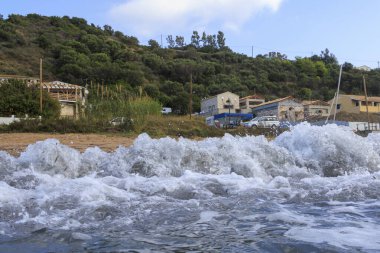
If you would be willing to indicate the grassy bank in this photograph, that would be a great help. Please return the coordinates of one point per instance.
(155, 125)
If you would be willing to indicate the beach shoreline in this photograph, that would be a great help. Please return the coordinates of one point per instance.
(16, 143)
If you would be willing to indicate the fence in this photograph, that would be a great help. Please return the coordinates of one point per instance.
(9, 120)
(364, 126)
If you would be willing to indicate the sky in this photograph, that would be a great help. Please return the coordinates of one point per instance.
(350, 29)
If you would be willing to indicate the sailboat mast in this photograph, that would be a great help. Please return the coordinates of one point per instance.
(337, 92)
(366, 99)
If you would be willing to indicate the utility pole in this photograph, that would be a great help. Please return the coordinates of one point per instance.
(252, 51)
(191, 95)
(41, 85)
(161, 40)
(366, 99)
(102, 88)
(378, 64)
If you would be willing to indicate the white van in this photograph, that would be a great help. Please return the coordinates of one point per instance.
(166, 110)
(263, 122)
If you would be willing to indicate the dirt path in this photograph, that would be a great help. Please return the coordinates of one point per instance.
(15, 143)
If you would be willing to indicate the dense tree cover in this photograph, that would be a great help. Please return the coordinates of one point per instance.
(19, 99)
(77, 52)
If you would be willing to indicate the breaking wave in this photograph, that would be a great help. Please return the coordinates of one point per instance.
(305, 189)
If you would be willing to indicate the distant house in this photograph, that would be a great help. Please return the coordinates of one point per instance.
(70, 96)
(226, 102)
(247, 103)
(364, 68)
(286, 108)
(316, 108)
(356, 104)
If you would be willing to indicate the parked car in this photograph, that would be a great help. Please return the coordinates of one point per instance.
(166, 110)
(118, 121)
(263, 122)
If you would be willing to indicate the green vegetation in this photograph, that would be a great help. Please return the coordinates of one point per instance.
(77, 52)
(154, 125)
(134, 110)
(139, 80)
(18, 99)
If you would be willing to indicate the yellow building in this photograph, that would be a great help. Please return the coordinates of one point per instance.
(356, 104)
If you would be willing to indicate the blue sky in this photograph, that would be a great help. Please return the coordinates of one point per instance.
(348, 28)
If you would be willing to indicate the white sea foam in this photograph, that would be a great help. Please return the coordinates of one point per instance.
(54, 186)
(365, 236)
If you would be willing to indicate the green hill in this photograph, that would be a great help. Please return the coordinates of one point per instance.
(77, 52)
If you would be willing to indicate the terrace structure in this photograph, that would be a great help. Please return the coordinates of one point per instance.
(247, 103)
(71, 97)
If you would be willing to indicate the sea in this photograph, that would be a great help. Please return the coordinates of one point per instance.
(311, 189)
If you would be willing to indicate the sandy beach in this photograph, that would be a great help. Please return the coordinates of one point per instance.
(15, 143)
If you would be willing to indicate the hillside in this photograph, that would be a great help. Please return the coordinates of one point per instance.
(77, 52)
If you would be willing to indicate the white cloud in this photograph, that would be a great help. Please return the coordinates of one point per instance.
(152, 17)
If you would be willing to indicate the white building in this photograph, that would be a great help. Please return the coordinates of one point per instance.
(364, 68)
(226, 102)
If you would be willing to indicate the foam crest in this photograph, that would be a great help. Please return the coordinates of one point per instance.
(52, 158)
(330, 150)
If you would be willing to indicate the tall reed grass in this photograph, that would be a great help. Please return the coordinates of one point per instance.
(135, 110)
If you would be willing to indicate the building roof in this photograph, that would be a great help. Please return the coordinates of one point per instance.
(219, 95)
(252, 97)
(315, 102)
(61, 86)
(361, 98)
(273, 101)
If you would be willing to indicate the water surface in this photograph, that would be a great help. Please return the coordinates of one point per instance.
(313, 189)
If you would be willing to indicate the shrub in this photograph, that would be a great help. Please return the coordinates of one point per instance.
(19, 99)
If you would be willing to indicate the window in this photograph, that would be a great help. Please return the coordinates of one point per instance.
(375, 103)
(254, 102)
(356, 103)
(228, 107)
(338, 106)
